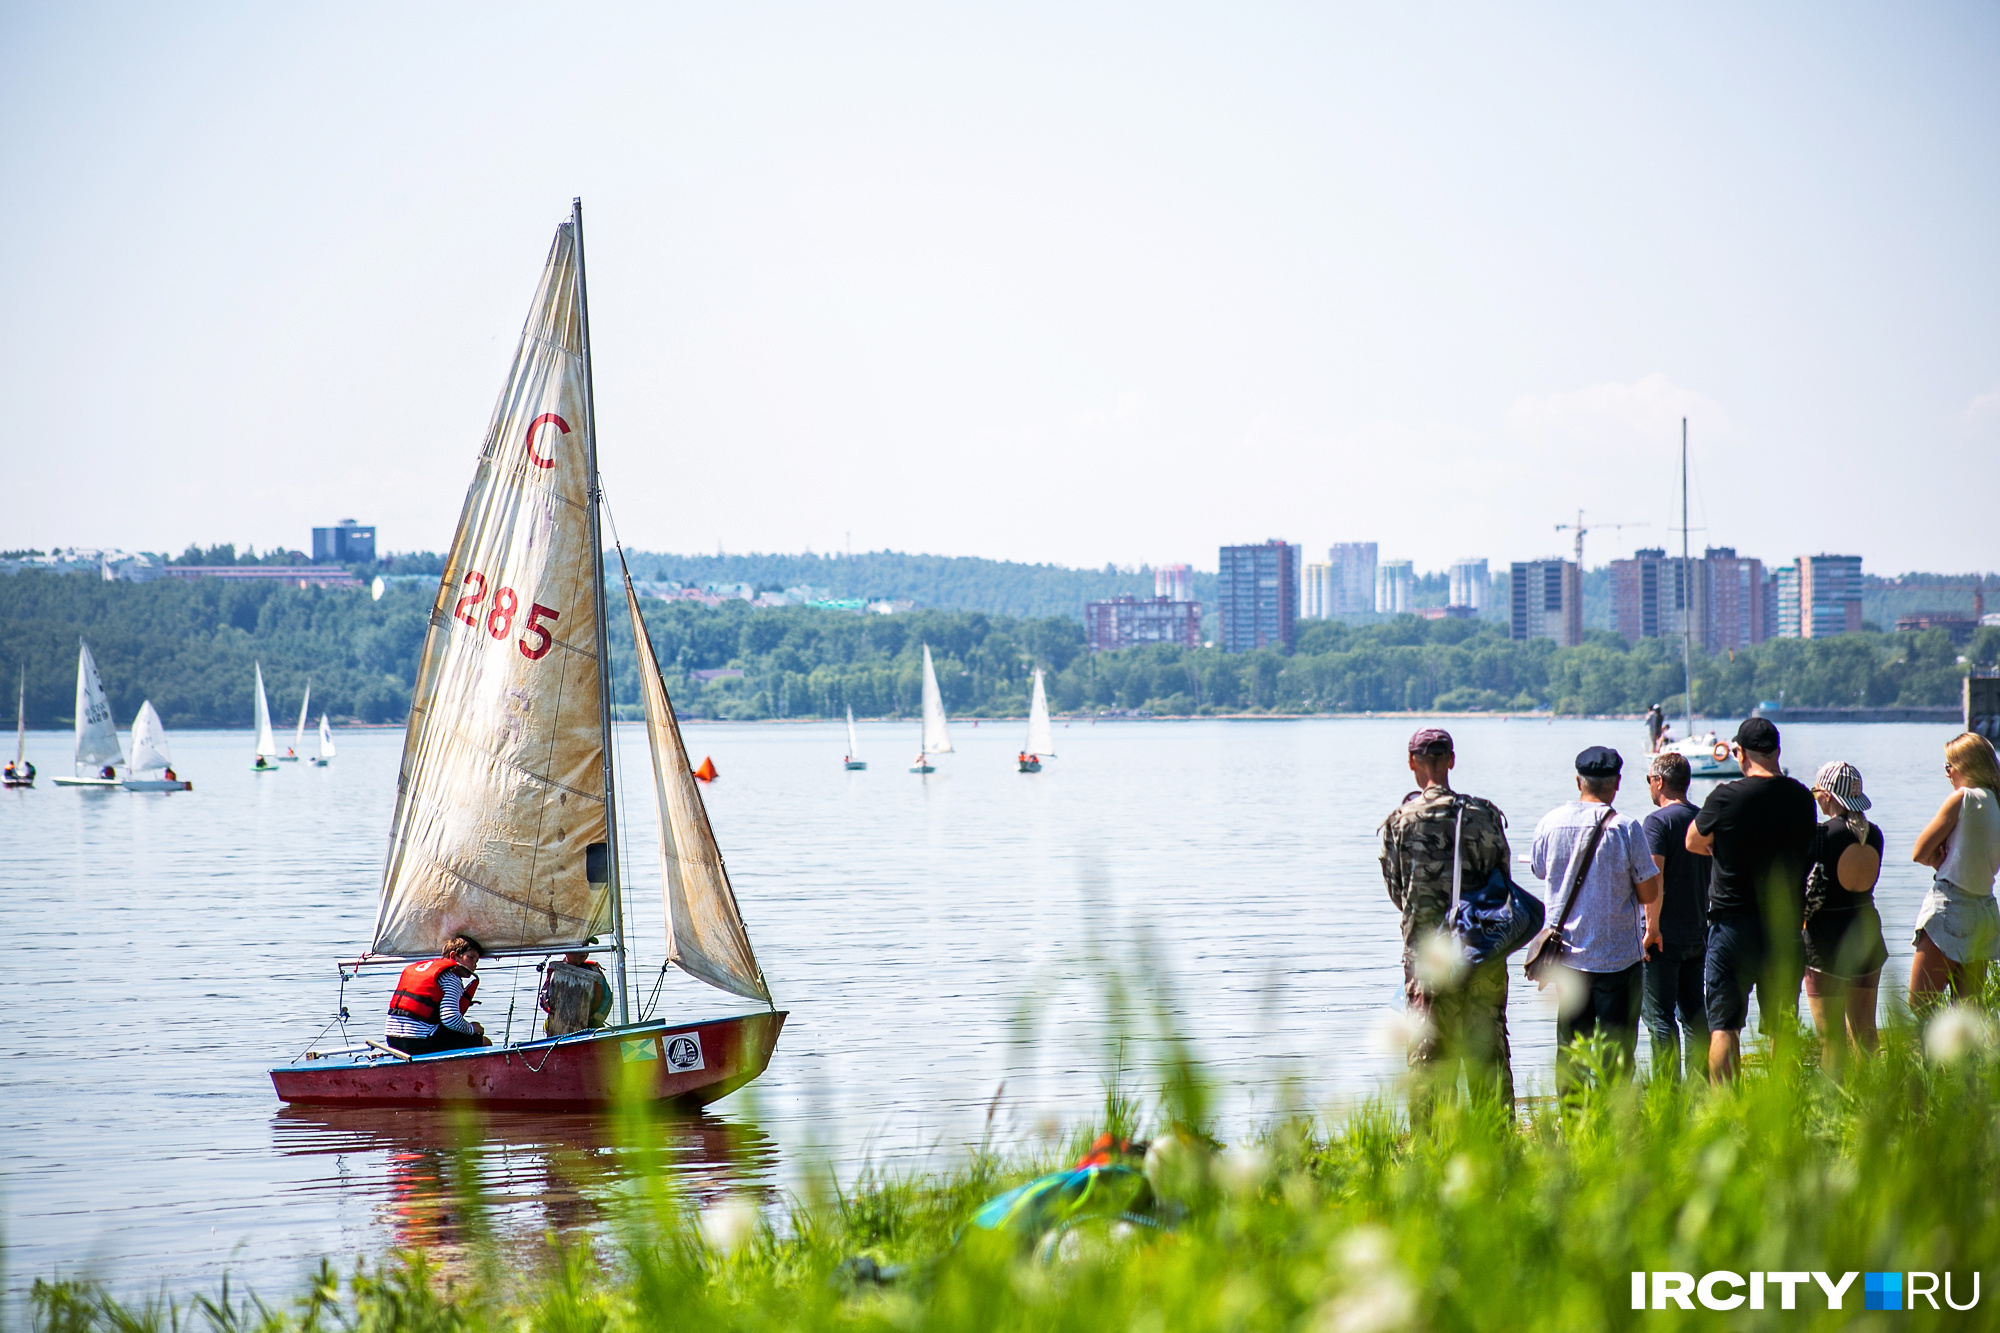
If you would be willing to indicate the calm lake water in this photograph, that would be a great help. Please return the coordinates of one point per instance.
(942, 944)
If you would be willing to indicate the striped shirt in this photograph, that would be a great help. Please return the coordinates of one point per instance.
(453, 986)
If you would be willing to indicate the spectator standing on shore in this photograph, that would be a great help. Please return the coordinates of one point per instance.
(1758, 829)
(1464, 1011)
(1675, 1011)
(1597, 865)
(1958, 923)
(1843, 932)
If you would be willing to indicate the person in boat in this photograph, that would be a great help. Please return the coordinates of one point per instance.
(1656, 727)
(21, 772)
(427, 1012)
(597, 1012)
(262, 762)
(169, 774)
(108, 773)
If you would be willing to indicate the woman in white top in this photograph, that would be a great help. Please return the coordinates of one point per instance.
(1958, 926)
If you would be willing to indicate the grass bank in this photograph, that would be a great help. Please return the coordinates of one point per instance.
(1476, 1220)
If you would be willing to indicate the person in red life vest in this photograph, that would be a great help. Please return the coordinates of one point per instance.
(427, 1012)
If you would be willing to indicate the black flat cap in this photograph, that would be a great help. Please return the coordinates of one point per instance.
(1599, 761)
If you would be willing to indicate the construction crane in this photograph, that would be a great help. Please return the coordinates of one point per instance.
(1581, 529)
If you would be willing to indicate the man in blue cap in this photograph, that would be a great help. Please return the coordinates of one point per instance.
(1600, 875)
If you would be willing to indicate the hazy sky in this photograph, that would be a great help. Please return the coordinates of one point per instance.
(1079, 283)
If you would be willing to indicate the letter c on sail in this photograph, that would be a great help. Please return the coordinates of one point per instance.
(545, 418)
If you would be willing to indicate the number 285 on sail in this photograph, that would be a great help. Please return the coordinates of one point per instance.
(535, 640)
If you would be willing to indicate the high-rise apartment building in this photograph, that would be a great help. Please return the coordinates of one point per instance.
(1259, 591)
(1469, 582)
(1829, 595)
(1394, 582)
(346, 542)
(1174, 582)
(1125, 621)
(1315, 591)
(1350, 584)
(1736, 587)
(1547, 601)
(1782, 602)
(1651, 596)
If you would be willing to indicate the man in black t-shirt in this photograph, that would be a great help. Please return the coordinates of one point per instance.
(1673, 1001)
(1758, 829)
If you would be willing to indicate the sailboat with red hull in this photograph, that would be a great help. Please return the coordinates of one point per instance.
(505, 828)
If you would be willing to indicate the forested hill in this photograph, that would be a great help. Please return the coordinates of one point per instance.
(191, 648)
(948, 583)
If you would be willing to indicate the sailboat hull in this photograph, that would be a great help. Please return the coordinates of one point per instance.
(104, 784)
(158, 784)
(1031, 765)
(689, 1064)
(856, 765)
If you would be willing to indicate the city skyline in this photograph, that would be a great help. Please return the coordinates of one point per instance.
(848, 283)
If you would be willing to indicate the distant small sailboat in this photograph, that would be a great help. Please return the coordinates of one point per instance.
(21, 773)
(291, 755)
(267, 744)
(1041, 744)
(937, 739)
(151, 756)
(325, 743)
(97, 745)
(853, 761)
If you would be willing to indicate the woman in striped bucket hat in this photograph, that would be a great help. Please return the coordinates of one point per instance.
(1843, 932)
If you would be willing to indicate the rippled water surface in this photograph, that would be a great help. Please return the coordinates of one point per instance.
(934, 938)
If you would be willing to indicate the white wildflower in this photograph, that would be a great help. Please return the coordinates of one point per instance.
(1960, 1030)
(1440, 961)
(1399, 1031)
(729, 1224)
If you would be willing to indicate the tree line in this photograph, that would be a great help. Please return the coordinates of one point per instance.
(190, 647)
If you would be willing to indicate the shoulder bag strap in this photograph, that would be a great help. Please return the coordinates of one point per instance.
(1457, 856)
(1582, 867)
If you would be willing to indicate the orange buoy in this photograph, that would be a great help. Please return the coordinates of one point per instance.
(707, 770)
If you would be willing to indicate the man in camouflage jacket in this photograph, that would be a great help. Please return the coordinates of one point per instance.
(1464, 1011)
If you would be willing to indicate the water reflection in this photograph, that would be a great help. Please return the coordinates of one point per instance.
(447, 1179)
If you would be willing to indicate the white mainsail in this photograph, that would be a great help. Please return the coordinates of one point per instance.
(267, 744)
(299, 736)
(937, 740)
(325, 738)
(853, 745)
(1040, 741)
(96, 737)
(501, 828)
(149, 741)
(705, 934)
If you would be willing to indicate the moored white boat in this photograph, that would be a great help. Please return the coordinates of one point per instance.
(1708, 756)
(325, 754)
(505, 825)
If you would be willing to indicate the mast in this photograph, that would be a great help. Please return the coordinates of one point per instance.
(1687, 594)
(21, 719)
(597, 594)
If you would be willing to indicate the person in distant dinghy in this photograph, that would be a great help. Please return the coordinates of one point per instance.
(427, 1012)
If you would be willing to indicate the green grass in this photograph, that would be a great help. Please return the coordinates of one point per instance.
(1477, 1221)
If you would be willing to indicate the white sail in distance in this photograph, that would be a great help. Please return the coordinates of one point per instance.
(96, 736)
(853, 745)
(937, 739)
(267, 744)
(325, 738)
(299, 736)
(501, 829)
(1040, 740)
(705, 934)
(149, 741)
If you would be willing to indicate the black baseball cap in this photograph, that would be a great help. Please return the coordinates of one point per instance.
(1758, 734)
(1599, 761)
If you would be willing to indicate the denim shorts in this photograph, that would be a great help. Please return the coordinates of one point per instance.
(1736, 958)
